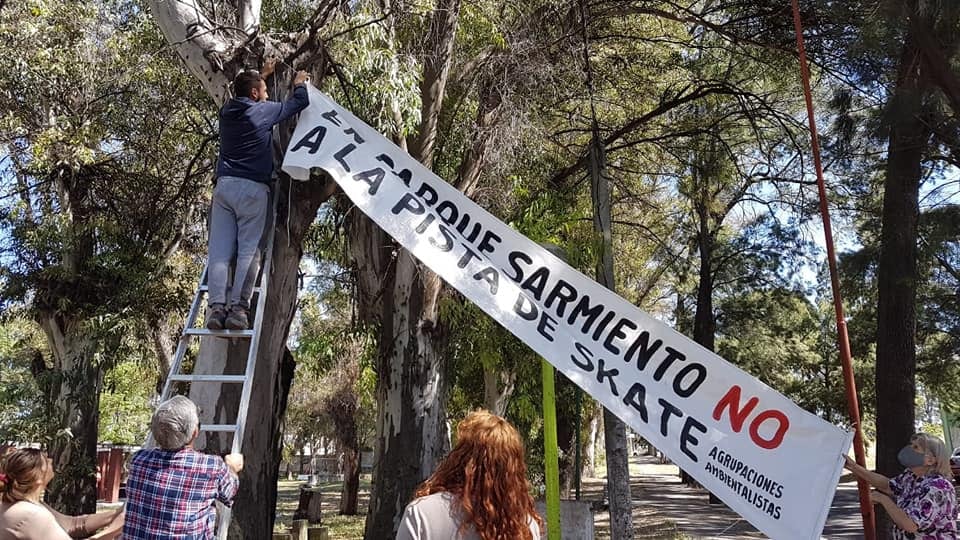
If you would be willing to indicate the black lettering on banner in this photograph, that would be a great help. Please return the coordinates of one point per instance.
(512, 258)
(689, 389)
(525, 308)
(668, 410)
(427, 194)
(447, 238)
(405, 176)
(672, 355)
(462, 227)
(384, 158)
(583, 308)
(492, 277)
(603, 324)
(409, 203)
(713, 452)
(468, 255)
(617, 333)
(686, 437)
(373, 177)
(587, 356)
(537, 281)
(647, 350)
(549, 323)
(332, 117)
(486, 243)
(609, 374)
(474, 232)
(311, 140)
(562, 291)
(356, 136)
(448, 212)
(344, 152)
(635, 397)
(425, 223)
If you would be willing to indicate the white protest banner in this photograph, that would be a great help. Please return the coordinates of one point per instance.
(769, 460)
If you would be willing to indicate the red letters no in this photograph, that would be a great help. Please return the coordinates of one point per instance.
(738, 415)
(731, 400)
(772, 442)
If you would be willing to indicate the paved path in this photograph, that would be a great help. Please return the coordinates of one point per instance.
(659, 486)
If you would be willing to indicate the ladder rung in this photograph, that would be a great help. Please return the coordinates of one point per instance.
(218, 427)
(221, 333)
(204, 288)
(209, 378)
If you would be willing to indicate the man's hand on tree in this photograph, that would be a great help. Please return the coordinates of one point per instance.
(234, 462)
(301, 77)
(268, 67)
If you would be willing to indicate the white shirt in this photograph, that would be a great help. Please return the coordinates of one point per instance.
(25, 520)
(437, 517)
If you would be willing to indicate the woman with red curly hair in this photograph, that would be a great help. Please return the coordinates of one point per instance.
(479, 491)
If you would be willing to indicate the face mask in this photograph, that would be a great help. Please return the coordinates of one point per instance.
(908, 457)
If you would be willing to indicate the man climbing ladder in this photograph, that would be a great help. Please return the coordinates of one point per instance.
(241, 196)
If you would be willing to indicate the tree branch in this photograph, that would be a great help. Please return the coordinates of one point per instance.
(436, 69)
(685, 95)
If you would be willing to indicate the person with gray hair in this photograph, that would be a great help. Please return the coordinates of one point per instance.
(171, 489)
(921, 500)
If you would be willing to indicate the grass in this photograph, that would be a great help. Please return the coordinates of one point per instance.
(339, 527)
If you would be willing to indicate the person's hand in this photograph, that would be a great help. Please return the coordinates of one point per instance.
(301, 77)
(269, 65)
(234, 462)
(848, 462)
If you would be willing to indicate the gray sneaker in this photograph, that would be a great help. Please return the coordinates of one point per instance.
(216, 313)
(237, 320)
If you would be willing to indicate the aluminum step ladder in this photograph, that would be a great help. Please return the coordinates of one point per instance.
(191, 330)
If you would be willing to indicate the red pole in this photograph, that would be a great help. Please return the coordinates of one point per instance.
(866, 507)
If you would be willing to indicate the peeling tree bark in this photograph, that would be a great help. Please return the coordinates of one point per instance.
(497, 389)
(197, 40)
(412, 382)
(412, 390)
(75, 388)
(436, 69)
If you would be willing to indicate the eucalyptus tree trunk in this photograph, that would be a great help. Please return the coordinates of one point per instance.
(74, 381)
(401, 295)
(614, 430)
(498, 386)
(74, 386)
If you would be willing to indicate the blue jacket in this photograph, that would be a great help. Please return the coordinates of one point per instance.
(246, 134)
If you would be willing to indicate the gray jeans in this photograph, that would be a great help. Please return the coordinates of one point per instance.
(237, 216)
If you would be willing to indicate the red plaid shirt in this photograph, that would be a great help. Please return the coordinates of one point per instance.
(171, 494)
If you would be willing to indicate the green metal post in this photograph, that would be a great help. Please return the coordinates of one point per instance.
(578, 466)
(550, 452)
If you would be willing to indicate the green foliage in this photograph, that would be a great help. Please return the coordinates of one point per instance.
(380, 85)
(125, 404)
(335, 381)
(22, 408)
